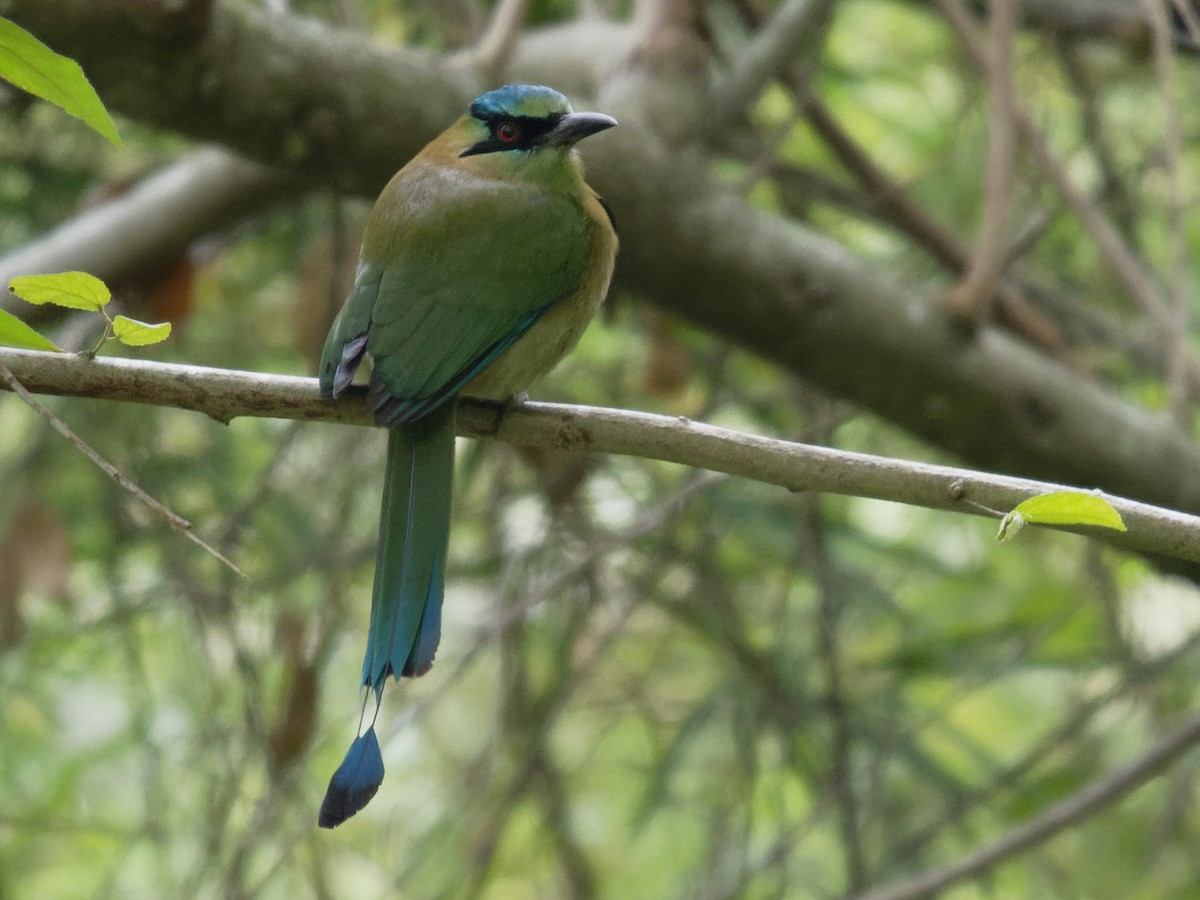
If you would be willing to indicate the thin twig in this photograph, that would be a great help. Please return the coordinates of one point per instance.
(1097, 137)
(1191, 21)
(1176, 347)
(174, 519)
(969, 298)
(490, 55)
(775, 43)
(903, 212)
(1078, 806)
(1116, 251)
(830, 606)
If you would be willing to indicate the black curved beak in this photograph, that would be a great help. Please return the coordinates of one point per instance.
(575, 127)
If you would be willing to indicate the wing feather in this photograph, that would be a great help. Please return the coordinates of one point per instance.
(454, 271)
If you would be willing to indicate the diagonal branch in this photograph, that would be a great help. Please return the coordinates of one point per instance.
(1075, 808)
(10, 382)
(776, 43)
(969, 298)
(1124, 262)
(491, 54)
(201, 192)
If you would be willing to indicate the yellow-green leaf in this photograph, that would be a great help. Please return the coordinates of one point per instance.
(32, 66)
(74, 290)
(15, 333)
(139, 334)
(1063, 508)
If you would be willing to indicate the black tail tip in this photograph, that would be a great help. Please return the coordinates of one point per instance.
(339, 805)
(354, 783)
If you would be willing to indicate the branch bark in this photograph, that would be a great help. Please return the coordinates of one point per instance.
(204, 191)
(224, 395)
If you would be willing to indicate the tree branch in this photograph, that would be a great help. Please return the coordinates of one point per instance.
(1117, 253)
(1075, 808)
(495, 47)
(10, 382)
(225, 394)
(778, 41)
(204, 191)
(969, 298)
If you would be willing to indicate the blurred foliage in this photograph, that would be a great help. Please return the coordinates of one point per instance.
(654, 682)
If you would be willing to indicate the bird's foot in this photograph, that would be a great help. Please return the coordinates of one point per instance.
(503, 408)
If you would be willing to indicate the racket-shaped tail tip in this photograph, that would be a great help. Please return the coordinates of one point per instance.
(354, 783)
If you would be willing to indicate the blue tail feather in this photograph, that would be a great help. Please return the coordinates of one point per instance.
(406, 603)
(420, 659)
(355, 781)
(414, 532)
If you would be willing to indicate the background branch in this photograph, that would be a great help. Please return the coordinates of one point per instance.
(969, 298)
(204, 191)
(1085, 802)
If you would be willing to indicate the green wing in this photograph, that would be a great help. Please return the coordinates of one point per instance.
(453, 272)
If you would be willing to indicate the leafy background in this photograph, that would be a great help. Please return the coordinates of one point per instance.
(653, 682)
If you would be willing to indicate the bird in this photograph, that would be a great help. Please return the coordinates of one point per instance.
(482, 262)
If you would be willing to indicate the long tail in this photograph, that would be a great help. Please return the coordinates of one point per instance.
(406, 604)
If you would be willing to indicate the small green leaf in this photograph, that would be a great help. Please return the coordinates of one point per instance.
(1010, 526)
(15, 333)
(138, 334)
(74, 290)
(1061, 508)
(1070, 508)
(32, 66)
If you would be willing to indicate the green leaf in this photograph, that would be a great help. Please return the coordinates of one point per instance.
(138, 334)
(15, 333)
(1070, 508)
(1061, 508)
(74, 290)
(32, 66)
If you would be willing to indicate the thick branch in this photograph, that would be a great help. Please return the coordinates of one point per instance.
(1118, 19)
(324, 102)
(131, 235)
(226, 394)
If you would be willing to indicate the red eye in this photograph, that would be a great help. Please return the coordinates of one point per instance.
(507, 132)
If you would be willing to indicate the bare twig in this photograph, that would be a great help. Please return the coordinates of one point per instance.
(830, 605)
(1097, 137)
(492, 52)
(1177, 353)
(225, 394)
(176, 521)
(774, 45)
(1116, 251)
(898, 208)
(969, 298)
(1086, 802)
(1191, 21)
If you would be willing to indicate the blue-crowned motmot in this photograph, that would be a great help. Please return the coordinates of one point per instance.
(482, 262)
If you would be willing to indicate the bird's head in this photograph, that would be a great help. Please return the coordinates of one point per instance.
(520, 124)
